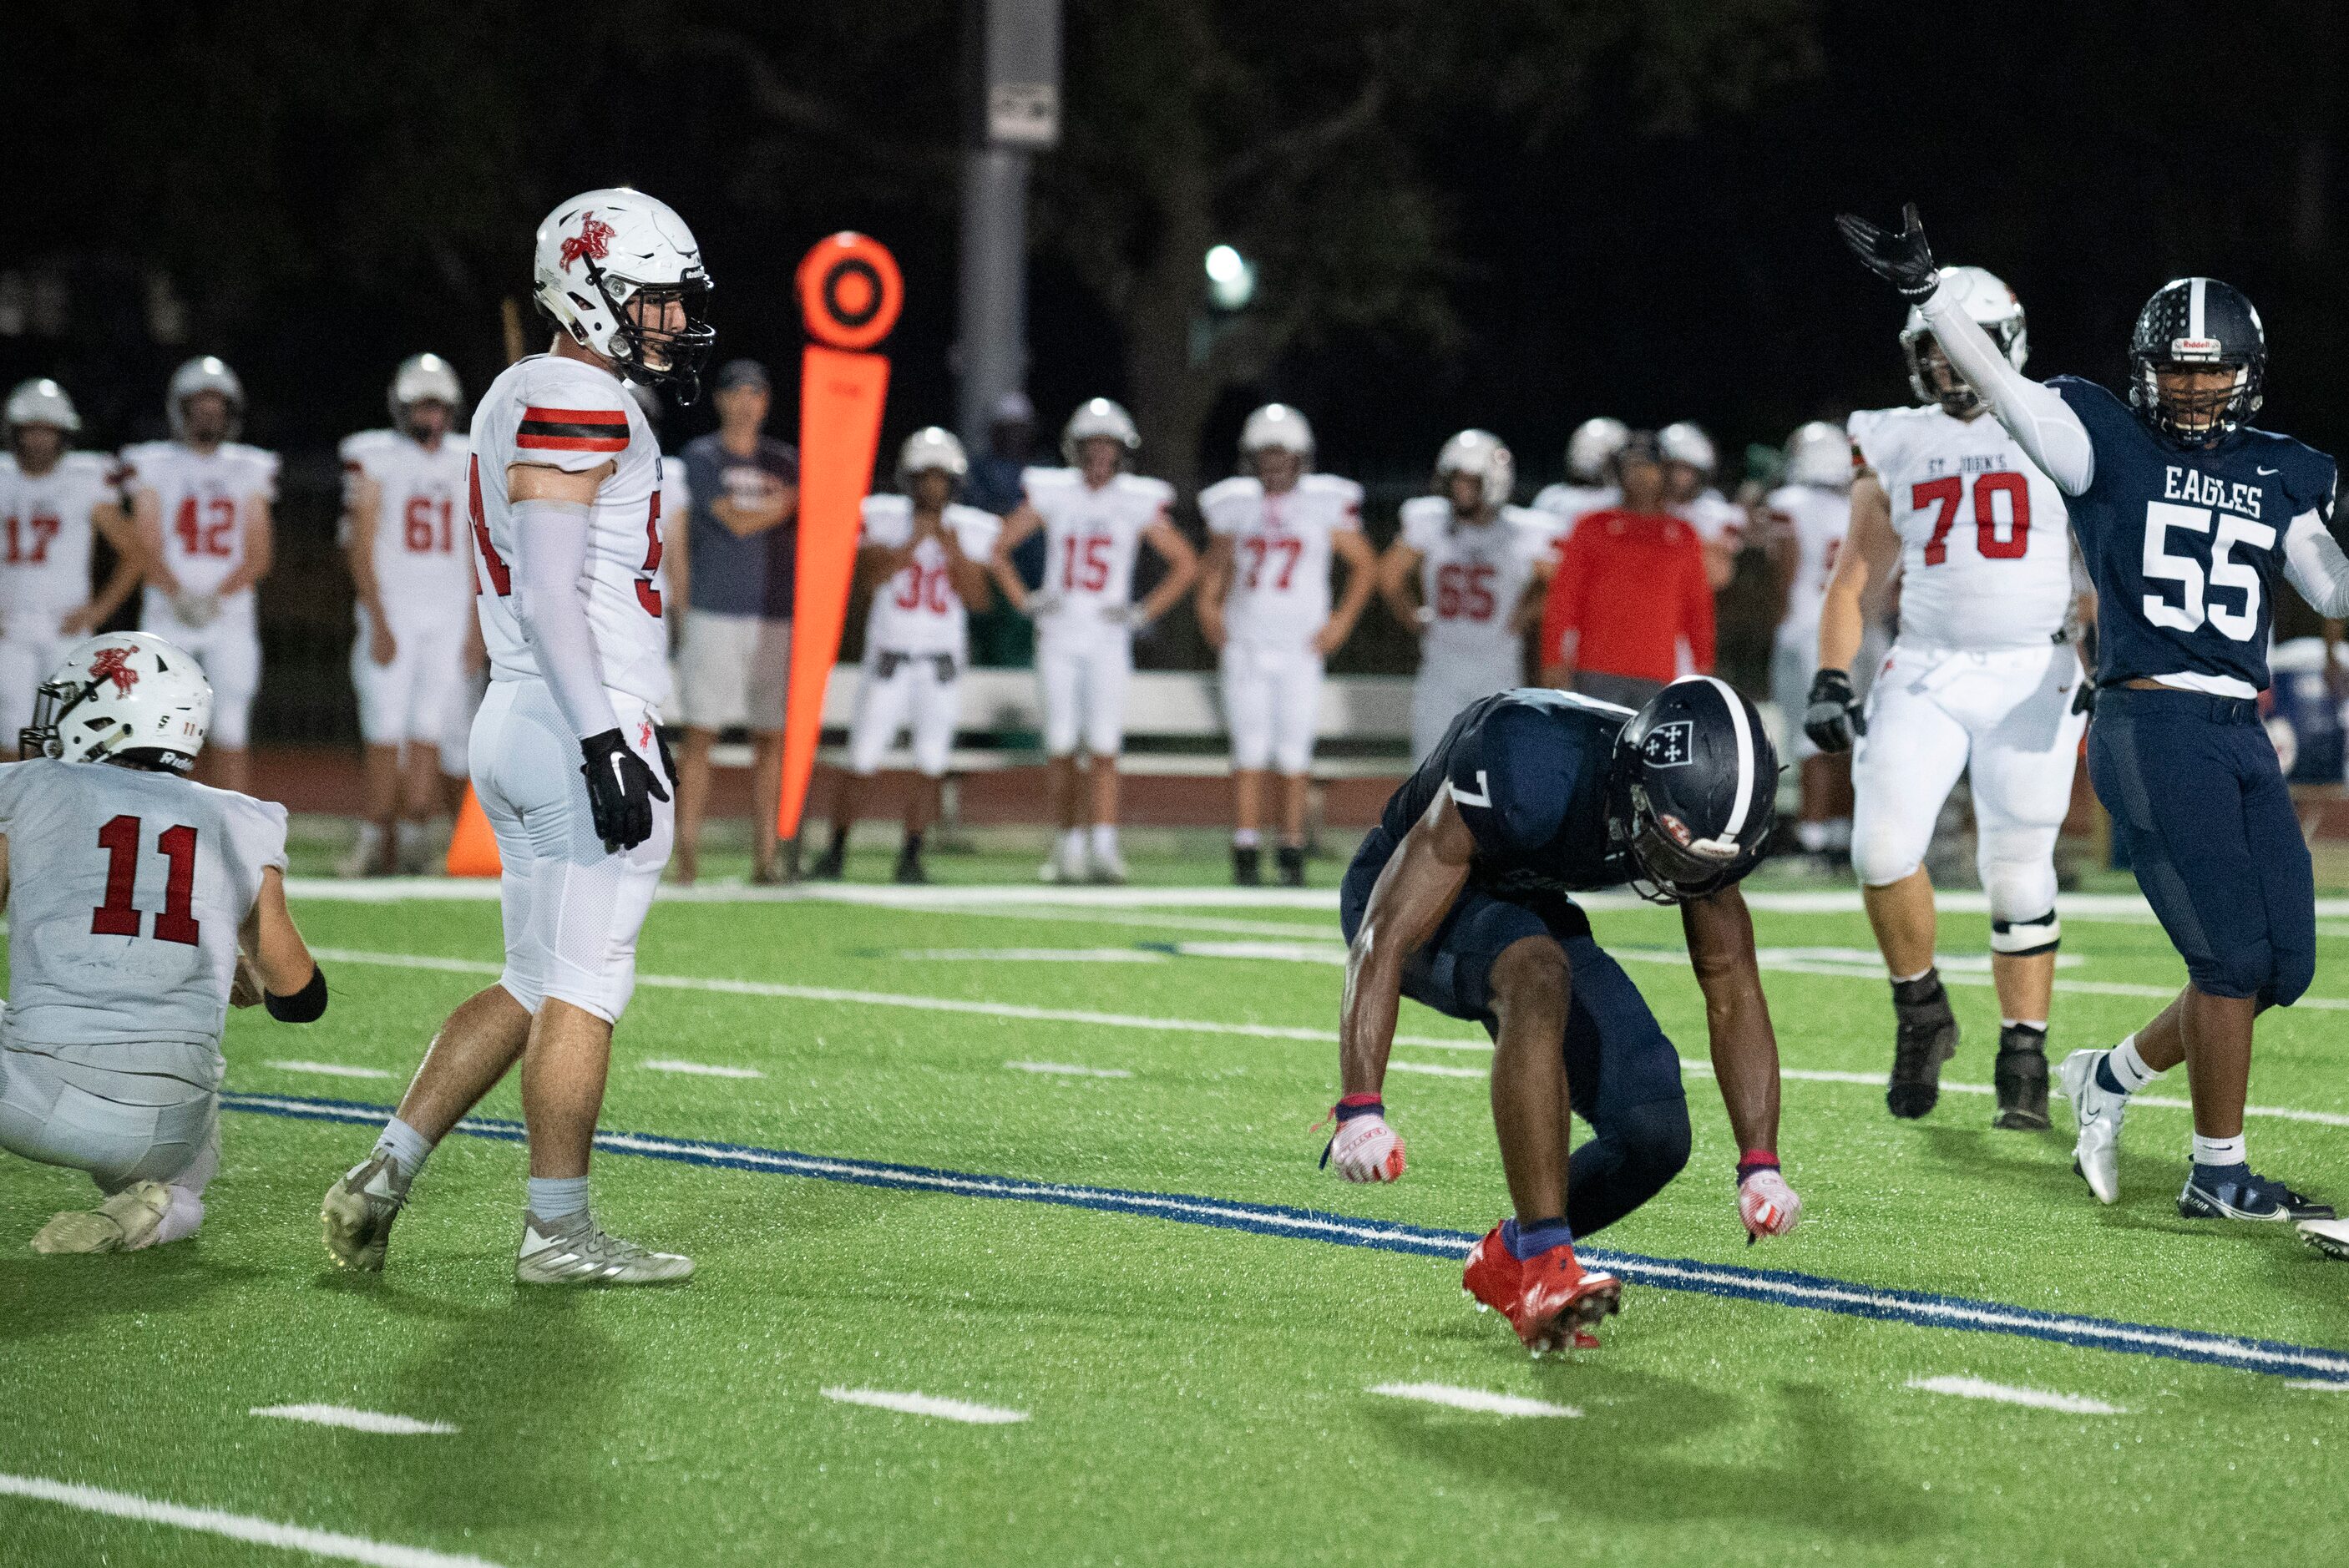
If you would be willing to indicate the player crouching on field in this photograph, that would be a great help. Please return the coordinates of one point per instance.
(1459, 900)
(143, 905)
(922, 559)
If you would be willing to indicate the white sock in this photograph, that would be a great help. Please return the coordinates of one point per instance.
(1838, 833)
(2128, 1068)
(1811, 835)
(1072, 844)
(409, 837)
(557, 1197)
(1105, 839)
(371, 841)
(404, 1144)
(2219, 1150)
(181, 1218)
(1246, 838)
(2038, 1024)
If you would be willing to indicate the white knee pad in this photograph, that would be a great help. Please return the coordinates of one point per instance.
(1886, 849)
(2018, 871)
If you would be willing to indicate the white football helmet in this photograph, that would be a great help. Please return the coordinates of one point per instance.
(931, 450)
(602, 249)
(1098, 416)
(127, 695)
(1984, 297)
(205, 373)
(423, 378)
(41, 401)
(1481, 453)
(1592, 447)
(1682, 441)
(1277, 426)
(1820, 454)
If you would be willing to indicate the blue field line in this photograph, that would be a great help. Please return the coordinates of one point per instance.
(1777, 1287)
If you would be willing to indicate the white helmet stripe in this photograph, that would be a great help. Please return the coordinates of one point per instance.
(2194, 307)
(1744, 802)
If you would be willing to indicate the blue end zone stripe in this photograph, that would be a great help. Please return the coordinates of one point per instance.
(1775, 1286)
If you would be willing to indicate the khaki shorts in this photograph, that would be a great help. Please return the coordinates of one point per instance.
(733, 670)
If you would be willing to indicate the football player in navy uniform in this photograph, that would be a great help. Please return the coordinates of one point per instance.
(1460, 899)
(2185, 517)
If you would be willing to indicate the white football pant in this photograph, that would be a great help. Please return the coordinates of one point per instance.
(1084, 680)
(912, 695)
(1272, 704)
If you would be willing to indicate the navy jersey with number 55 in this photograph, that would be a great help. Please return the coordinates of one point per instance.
(2185, 545)
(1526, 770)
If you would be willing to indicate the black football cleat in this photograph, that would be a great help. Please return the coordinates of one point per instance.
(1927, 1036)
(2020, 1074)
(1292, 865)
(2237, 1192)
(833, 864)
(910, 873)
(1248, 866)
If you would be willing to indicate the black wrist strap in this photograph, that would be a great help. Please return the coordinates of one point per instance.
(303, 1006)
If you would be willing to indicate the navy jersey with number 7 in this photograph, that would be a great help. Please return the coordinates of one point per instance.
(2185, 546)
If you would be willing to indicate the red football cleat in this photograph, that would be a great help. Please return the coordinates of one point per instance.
(1492, 1276)
(1549, 1299)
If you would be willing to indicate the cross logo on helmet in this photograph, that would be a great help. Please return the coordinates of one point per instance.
(114, 665)
(593, 240)
(1668, 745)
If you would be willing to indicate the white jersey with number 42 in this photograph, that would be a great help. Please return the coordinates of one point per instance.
(1281, 554)
(206, 499)
(1985, 542)
(1091, 538)
(421, 567)
(566, 414)
(125, 892)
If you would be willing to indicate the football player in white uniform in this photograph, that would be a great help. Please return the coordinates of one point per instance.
(404, 530)
(1805, 521)
(922, 558)
(564, 497)
(200, 504)
(52, 501)
(142, 905)
(1982, 679)
(1590, 485)
(1094, 517)
(1264, 602)
(1689, 464)
(1481, 568)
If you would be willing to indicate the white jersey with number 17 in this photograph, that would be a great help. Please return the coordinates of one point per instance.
(561, 413)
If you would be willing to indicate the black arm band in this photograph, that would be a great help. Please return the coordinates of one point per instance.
(302, 1007)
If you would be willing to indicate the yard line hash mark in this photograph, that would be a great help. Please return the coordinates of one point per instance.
(909, 1404)
(354, 1420)
(2006, 1394)
(328, 1069)
(1069, 1069)
(1476, 1399)
(699, 1070)
(234, 1526)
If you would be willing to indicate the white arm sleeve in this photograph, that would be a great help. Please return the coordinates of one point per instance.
(550, 557)
(2316, 567)
(2035, 415)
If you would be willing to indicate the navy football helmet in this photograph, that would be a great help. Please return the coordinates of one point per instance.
(1692, 791)
(2193, 323)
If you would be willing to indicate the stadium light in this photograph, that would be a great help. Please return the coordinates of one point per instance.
(1231, 278)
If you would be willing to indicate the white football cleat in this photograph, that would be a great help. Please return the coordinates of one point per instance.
(123, 1224)
(1062, 866)
(2097, 1111)
(576, 1251)
(2330, 1237)
(358, 1210)
(1108, 870)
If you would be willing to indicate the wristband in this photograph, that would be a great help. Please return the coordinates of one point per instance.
(1755, 1160)
(303, 1006)
(1354, 1105)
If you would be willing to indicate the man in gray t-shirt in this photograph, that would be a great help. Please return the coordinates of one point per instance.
(740, 541)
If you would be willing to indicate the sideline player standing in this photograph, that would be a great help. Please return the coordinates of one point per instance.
(1483, 566)
(1588, 485)
(921, 559)
(199, 502)
(2187, 517)
(1689, 464)
(404, 533)
(1094, 516)
(52, 499)
(565, 502)
(130, 891)
(1982, 680)
(1264, 601)
(1460, 899)
(1806, 519)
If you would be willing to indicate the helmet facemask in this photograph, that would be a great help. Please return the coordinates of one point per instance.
(1926, 357)
(2198, 418)
(657, 352)
(1667, 867)
(54, 704)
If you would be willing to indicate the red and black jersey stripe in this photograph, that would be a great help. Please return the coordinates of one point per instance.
(573, 430)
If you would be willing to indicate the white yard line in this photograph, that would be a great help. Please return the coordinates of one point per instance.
(234, 1526)
(1476, 1399)
(699, 1070)
(1178, 1025)
(2006, 1394)
(328, 1069)
(1067, 1069)
(354, 1420)
(1032, 954)
(908, 1404)
(2319, 1384)
(1434, 1069)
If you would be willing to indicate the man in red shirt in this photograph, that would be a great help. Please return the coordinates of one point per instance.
(1630, 594)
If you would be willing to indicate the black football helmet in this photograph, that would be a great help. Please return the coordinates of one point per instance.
(2193, 323)
(1692, 791)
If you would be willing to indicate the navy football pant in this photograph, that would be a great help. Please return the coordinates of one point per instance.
(2196, 794)
(1622, 1075)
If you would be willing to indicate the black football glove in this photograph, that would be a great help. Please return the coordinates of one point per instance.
(620, 791)
(2084, 699)
(1903, 260)
(1833, 716)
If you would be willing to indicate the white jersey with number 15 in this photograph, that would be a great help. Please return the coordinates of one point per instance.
(1091, 538)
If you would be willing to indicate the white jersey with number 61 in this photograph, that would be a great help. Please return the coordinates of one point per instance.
(422, 569)
(125, 892)
(1985, 542)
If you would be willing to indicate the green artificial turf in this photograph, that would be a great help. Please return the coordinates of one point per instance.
(1195, 1396)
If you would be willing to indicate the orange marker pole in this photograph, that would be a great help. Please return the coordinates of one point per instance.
(850, 295)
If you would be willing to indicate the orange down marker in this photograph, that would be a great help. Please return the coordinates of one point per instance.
(850, 295)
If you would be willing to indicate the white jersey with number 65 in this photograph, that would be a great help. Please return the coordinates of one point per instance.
(565, 413)
(125, 892)
(1985, 542)
(1472, 578)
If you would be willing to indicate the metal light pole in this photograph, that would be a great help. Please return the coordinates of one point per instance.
(1015, 112)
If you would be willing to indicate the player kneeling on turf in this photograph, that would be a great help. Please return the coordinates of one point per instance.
(1459, 899)
(131, 891)
(922, 558)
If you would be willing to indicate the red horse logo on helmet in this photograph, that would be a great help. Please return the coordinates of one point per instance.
(114, 665)
(593, 239)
